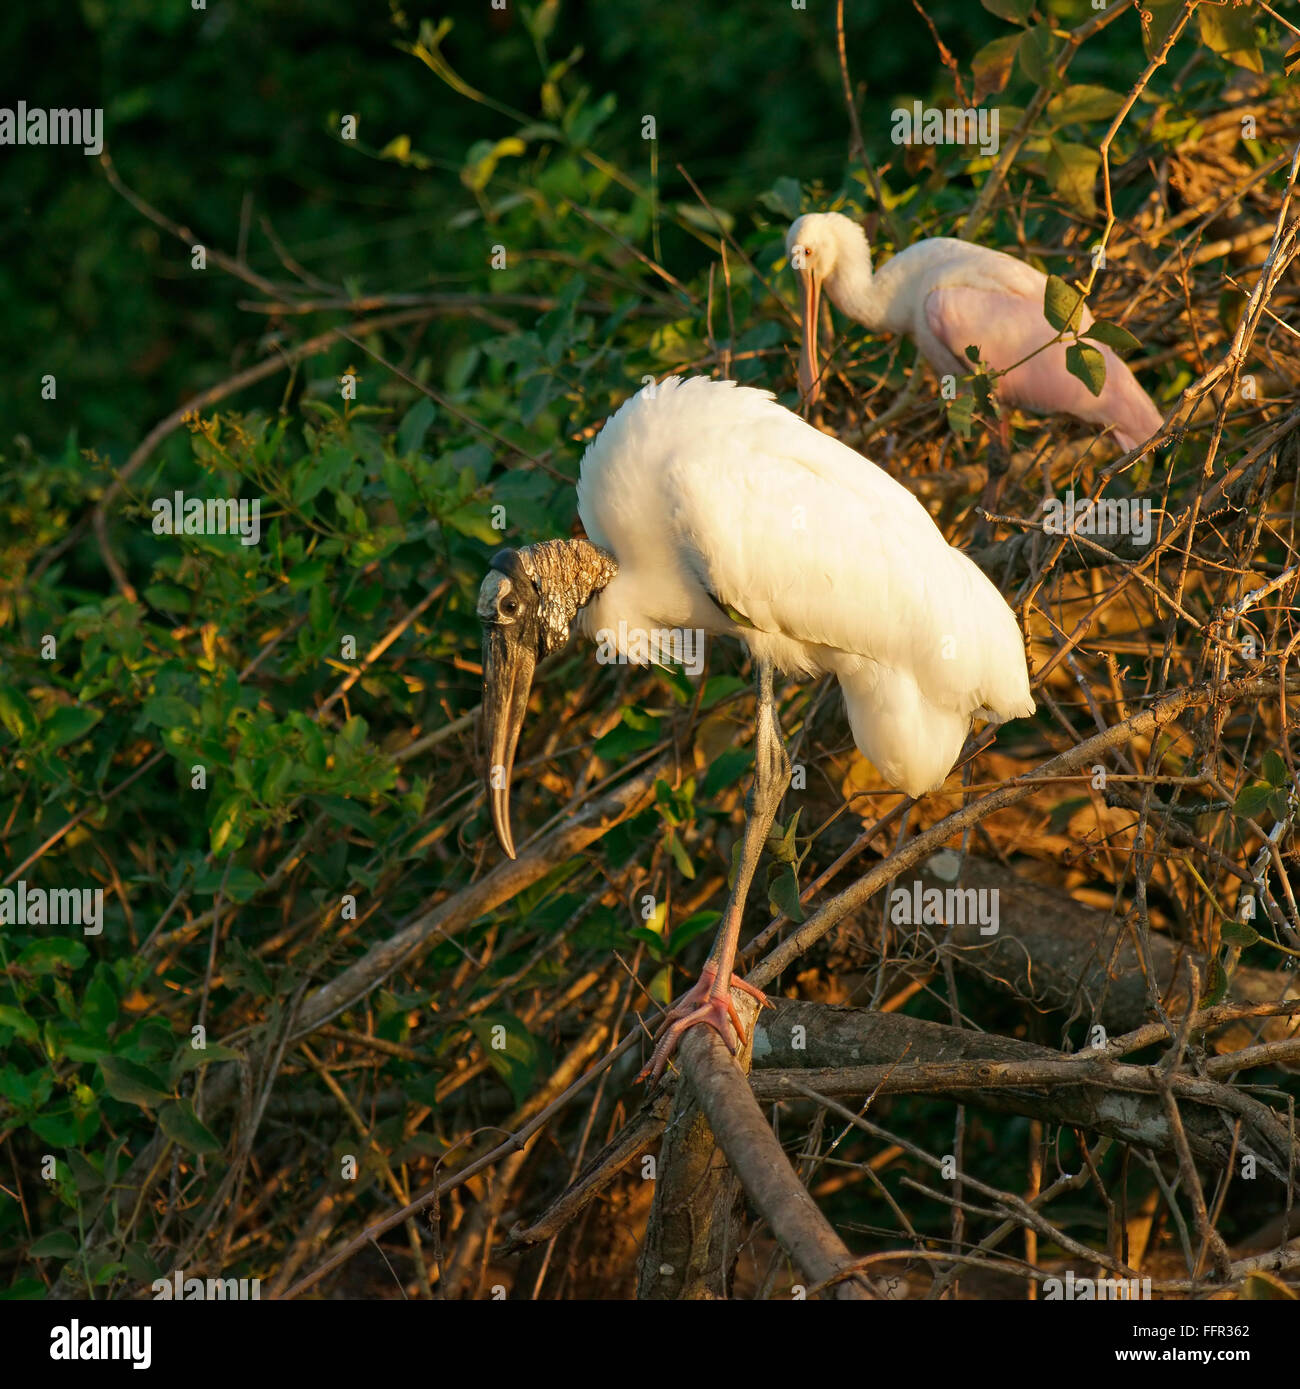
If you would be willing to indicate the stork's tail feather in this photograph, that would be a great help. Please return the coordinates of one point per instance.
(912, 741)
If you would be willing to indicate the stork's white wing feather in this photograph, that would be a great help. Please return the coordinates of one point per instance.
(810, 541)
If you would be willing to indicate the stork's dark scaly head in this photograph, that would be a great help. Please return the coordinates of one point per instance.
(526, 603)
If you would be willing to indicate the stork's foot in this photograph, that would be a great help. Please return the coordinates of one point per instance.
(702, 1003)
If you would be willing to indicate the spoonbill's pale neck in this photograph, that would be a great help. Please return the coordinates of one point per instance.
(526, 603)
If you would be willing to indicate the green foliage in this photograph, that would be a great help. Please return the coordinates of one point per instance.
(1087, 364)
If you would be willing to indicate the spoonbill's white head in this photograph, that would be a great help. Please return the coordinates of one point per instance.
(821, 245)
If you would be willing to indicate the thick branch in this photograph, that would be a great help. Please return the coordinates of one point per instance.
(755, 1154)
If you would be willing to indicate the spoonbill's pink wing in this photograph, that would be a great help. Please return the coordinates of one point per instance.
(1008, 327)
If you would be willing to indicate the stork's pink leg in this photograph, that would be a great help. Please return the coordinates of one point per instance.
(709, 1000)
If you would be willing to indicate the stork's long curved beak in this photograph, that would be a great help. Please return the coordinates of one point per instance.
(508, 665)
(809, 379)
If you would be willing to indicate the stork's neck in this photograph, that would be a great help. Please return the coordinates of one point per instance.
(567, 573)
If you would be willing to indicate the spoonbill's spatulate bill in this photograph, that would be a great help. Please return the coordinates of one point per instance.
(948, 295)
(710, 507)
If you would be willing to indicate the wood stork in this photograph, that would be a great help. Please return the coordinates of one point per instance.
(709, 507)
(948, 295)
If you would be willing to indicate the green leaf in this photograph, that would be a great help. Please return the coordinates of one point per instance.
(705, 219)
(784, 198)
(1036, 50)
(1072, 172)
(107, 1271)
(1252, 800)
(1062, 304)
(131, 1082)
(19, 1022)
(99, 1009)
(510, 1048)
(16, 713)
(349, 812)
(415, 425)
(992, 66)
(168, 598)
(660, 988)
(483, 158)
(1081, 104)
(28, 1090)
(139, 1265)
(1216, 986)
(244, 970)
(190, 1058)
(1238, 933)
(635, 732)
(961, 411)
(725, 770)
(720, 687)
(1016, 11)
(1087, 364)
(67, 724)
(58, 1244)
(648, 939)
(783, 894)
(47, 955)
(307, 574)
(679, 855)
(88, 1179)
(1162, 14)
(167, 711)
(1275, 772)
(227, 819)
(320, 609)
(686, 931)
(1266, 1287)
(242, 884)
(1230, 32)
(780, 840)
(24, 1290)
(180, 1123)
(62, 1128)
(1111, 335)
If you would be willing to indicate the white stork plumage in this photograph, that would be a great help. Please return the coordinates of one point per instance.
(948, 295)
(705, 502)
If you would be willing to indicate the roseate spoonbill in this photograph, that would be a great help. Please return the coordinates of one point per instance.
(948, 295)
(709, 507)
